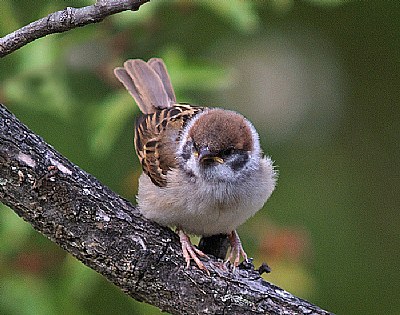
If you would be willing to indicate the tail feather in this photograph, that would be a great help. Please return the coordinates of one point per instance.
(148, 83)
(158, 66)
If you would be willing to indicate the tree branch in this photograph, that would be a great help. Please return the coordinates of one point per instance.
(109, 235)
(65, 20)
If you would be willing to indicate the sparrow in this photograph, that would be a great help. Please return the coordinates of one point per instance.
(203, 169)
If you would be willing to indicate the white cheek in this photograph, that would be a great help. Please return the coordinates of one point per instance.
(193, 165)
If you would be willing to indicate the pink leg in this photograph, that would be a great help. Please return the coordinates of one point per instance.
(236, 249)
(191, 252)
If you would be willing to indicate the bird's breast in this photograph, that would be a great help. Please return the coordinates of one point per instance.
(202, 207)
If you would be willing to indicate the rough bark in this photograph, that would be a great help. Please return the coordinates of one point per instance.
(108, 234)
(64, 20)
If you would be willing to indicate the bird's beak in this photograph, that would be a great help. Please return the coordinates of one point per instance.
(205, 155)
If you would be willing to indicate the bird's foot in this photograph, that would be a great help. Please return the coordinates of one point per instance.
(236, 250)
(191, 252)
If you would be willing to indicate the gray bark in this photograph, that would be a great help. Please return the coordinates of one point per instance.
(108, 234)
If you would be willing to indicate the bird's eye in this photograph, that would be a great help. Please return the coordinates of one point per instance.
(195, 149)
(228, 151)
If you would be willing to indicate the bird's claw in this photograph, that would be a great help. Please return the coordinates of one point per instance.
(191, 252)
(236, 250)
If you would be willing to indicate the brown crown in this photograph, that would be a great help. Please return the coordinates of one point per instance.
(220, 129)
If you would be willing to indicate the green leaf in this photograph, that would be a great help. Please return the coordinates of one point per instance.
(129, 18)
(109, 121)
(328, 3)
(195, 76)
(26, 295)
(8, 19)
(14, 232)
(39, 83)
(241, 14)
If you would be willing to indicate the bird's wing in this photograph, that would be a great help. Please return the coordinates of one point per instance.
(157, 137)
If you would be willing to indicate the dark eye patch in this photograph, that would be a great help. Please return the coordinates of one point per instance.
(187, 150)
(238, 161)
(226, 152)
(195, 146)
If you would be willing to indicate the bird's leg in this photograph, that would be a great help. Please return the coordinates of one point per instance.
(236, 249)
(191, 252)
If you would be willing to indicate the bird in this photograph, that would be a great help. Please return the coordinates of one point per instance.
(204, 171)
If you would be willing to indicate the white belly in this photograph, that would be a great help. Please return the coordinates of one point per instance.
(205, 208)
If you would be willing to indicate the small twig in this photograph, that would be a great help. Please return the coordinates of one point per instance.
(65, 20)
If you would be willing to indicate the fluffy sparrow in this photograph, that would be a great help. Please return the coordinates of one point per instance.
(203, 169)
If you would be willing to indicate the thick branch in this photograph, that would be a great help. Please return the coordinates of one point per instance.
(108, 234)
(65, 20)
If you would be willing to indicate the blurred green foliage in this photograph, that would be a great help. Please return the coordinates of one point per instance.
(319, 79)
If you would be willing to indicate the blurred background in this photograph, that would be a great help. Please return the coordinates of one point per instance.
(320, 80)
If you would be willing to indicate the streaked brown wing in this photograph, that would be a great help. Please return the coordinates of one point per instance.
(156, 139)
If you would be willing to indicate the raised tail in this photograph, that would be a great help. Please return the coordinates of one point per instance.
(148, 83)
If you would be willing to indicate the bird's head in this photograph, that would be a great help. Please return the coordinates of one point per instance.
(219, 145)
